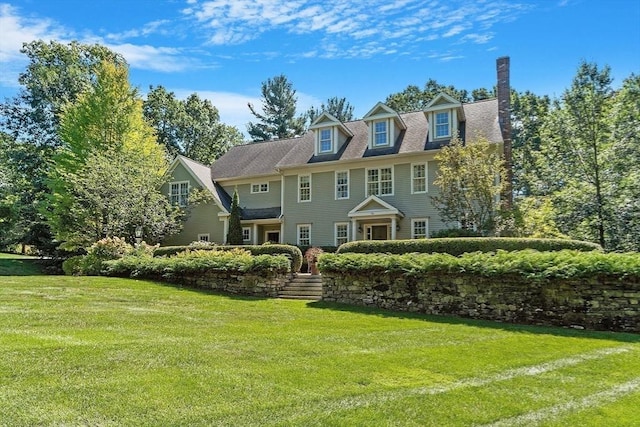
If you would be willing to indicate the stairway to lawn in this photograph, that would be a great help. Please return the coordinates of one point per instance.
(303, 286)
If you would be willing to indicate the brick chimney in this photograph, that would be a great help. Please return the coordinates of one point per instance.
(504, 117)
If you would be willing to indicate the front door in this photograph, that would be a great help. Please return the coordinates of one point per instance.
(377, 232)
(272, 236)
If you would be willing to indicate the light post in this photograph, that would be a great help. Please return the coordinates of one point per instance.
(138, 234)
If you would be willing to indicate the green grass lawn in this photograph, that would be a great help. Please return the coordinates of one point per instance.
(18, 265)
(106, 351)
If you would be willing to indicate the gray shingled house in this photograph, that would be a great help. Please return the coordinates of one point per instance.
(365, 179)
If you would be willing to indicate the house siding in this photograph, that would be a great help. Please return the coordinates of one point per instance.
(256, 200)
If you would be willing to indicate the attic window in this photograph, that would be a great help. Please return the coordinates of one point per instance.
(325, 143)
(262, 187)
(380, 134)
(442, 125)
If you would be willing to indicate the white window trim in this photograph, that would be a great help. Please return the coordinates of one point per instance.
(374, 133)
(366, 181)
(426, 178)
(331, 149)
(310, 186)
(335, 232)
(179, 183)
(348, 184)
(207, 237)
(435, 124)
(259, 184)
(298, 228)
(413, 229)
(248, 229)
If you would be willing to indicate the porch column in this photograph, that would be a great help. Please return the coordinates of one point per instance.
(254, 238)
(393, 228)
(281, 232)
(225, 229)
(354, 229)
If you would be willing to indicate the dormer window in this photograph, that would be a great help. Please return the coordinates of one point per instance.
(381, 135)
(326, 141)
(442, 125)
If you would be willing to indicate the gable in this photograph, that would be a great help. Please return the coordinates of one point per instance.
(198, 175)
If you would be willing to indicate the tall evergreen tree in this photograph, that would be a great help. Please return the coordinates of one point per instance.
(339, 108)
(278, 118)
(234, 236)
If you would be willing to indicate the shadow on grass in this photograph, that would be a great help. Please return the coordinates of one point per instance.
(203, 291)
(451, 320)
(19, 266)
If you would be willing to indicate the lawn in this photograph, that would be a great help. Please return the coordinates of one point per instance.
(106, 351)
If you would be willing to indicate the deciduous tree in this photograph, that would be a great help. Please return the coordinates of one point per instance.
(337, 107)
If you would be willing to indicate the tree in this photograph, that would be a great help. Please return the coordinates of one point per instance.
(414, 99)
(577, 139)
(337, 107)
(56, 74)
(234, 237)
(106, 177)
(191, 127)
(277, 119)
(470, 178)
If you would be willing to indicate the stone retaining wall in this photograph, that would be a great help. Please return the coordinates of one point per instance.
(262, 285)
(602, 303)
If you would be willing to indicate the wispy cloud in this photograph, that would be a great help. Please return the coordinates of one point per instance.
(351, 26)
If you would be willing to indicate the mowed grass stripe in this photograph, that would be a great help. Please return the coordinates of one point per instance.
(554, 412)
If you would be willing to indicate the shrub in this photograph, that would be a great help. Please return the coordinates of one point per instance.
(231, 260)
(292, 252)
(73, 266)
(458, 246)
(456, 232)
(527, 263)
(105, 249)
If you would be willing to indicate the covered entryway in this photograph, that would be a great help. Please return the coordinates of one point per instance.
(374, 219)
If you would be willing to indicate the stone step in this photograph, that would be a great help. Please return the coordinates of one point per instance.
(302, 297)
(294, 287)
(303, 286)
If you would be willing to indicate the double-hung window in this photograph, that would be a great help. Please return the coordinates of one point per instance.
(326, 141)
(179, 193)
(419, 228)
(380, 134)
(419, 178)
(304, 188)
(342, 185)
(246, 234)
(341, 233)
(380, 182)
(442, 125)
(304, 234)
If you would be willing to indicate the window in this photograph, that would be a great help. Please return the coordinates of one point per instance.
(380, 182)
(304, 234)
(341, 233)
(442, 125)
(203, 237)
(178, 193)
(262, 187)
(419, 228)
(246, 234)
(419, 178)
(304, 188)
(380, 134)
(326, 142)
(342, 185)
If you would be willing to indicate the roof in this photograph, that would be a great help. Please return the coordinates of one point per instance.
(266, 158)
(202, 175)
(260, 213)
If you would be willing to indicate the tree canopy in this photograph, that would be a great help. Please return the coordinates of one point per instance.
(339, 108)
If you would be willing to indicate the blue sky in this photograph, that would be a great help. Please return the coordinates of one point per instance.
(362, 50)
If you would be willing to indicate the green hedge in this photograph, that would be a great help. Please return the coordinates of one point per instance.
(197, 261)
(527, 263)
(458, 246)
(292, 252)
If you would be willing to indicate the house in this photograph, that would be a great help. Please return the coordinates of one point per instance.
(366, 179)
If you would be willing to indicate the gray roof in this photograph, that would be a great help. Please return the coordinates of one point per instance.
(264, 158)
(261, 213)
(203, 174)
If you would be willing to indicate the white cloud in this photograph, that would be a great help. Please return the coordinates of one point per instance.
(147, 57)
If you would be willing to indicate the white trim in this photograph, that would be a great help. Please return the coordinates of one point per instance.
(386, 211)
(374, 133)
(259, 184)
(366, 181)
(204, 237)
(298, 228)
(212, 188)
(426, 178)
(248, 229)
(319, 140)
(335, 176)
(335, 232)
(426, 227)
(179, 194)
(436, 124)
(299, 199)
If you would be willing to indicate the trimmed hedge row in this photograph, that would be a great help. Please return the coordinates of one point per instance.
(197, 261)
(528, 263)
(292, 252)
(458, 246)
